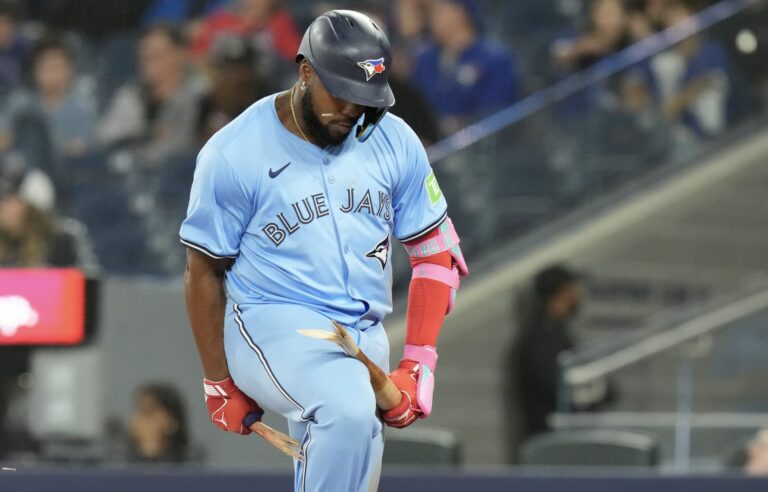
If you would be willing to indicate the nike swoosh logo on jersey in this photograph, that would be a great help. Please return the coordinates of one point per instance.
(274, 174)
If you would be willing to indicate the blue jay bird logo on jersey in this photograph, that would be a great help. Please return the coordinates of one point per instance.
(380, 252)
(372, 67)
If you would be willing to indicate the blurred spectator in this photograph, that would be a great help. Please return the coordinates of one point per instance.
(158, 427)
(757, 455)
(410, 19)
(24, 134)
(607, 33)
(177, 11)
(13, 48)
(690, 82)
(646, 17)
(463, 74)
(67, 106)
(236, 84)
(410, 103)
(543, 335)
(157, 115)
(269, 26)
(30, 236)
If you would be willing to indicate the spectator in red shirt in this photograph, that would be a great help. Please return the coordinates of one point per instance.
(271, 28)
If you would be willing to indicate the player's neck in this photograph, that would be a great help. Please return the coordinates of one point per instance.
(286, 116)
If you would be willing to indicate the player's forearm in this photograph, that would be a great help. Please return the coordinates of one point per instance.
(206, 302)
(427, 304)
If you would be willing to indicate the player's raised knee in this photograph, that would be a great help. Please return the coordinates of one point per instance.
(354, 416)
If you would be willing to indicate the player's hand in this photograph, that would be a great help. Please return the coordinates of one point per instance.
(405, 378)
(229, 407)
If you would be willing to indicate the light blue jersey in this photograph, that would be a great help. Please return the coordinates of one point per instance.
(306, 225)
(309, 231)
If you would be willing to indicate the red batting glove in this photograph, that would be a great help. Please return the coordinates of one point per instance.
(407, 411)
(228, 407)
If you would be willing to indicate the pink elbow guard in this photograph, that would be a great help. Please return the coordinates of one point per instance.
(426, 356)
(446, 240)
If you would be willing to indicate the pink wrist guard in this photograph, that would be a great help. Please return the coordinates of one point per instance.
(423, 354)
(426, 356)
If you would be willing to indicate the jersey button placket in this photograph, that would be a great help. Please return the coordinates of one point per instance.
(335, 214)
(326, 162)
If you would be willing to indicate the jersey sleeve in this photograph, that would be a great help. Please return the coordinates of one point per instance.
(417, 201)
(219, 210)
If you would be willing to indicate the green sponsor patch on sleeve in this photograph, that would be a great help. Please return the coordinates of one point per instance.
(433, 189)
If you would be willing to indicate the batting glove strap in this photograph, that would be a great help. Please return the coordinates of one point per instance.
(404, 414)
(219, 389)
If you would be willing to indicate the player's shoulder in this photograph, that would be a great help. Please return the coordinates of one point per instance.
(242, 141)
(396, 140)
(397, 131)
(247, 130)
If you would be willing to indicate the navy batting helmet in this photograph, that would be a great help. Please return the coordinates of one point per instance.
(351, 54)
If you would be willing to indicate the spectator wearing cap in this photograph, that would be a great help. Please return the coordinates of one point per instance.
(463, 74)
(235, 85)
(555, 296)
(156, 116)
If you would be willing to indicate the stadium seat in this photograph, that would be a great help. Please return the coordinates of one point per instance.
(588, 447)
(422, 447)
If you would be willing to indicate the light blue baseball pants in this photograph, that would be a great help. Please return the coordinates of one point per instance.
(325, 394)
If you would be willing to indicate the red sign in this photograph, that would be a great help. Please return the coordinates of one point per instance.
(42, 306)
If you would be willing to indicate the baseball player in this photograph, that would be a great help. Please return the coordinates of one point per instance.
(289, 226)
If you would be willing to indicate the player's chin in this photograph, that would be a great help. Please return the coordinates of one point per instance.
(338, 133)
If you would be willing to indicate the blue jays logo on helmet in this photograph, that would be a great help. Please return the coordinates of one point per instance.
(372, 67)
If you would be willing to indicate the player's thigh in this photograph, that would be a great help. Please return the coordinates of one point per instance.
(289, 373)
(374, 342)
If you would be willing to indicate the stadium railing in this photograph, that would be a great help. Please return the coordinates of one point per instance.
(710, 368)
(579, 142)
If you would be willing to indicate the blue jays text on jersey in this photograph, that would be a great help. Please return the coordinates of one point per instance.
(306, 225)
(316, 206)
